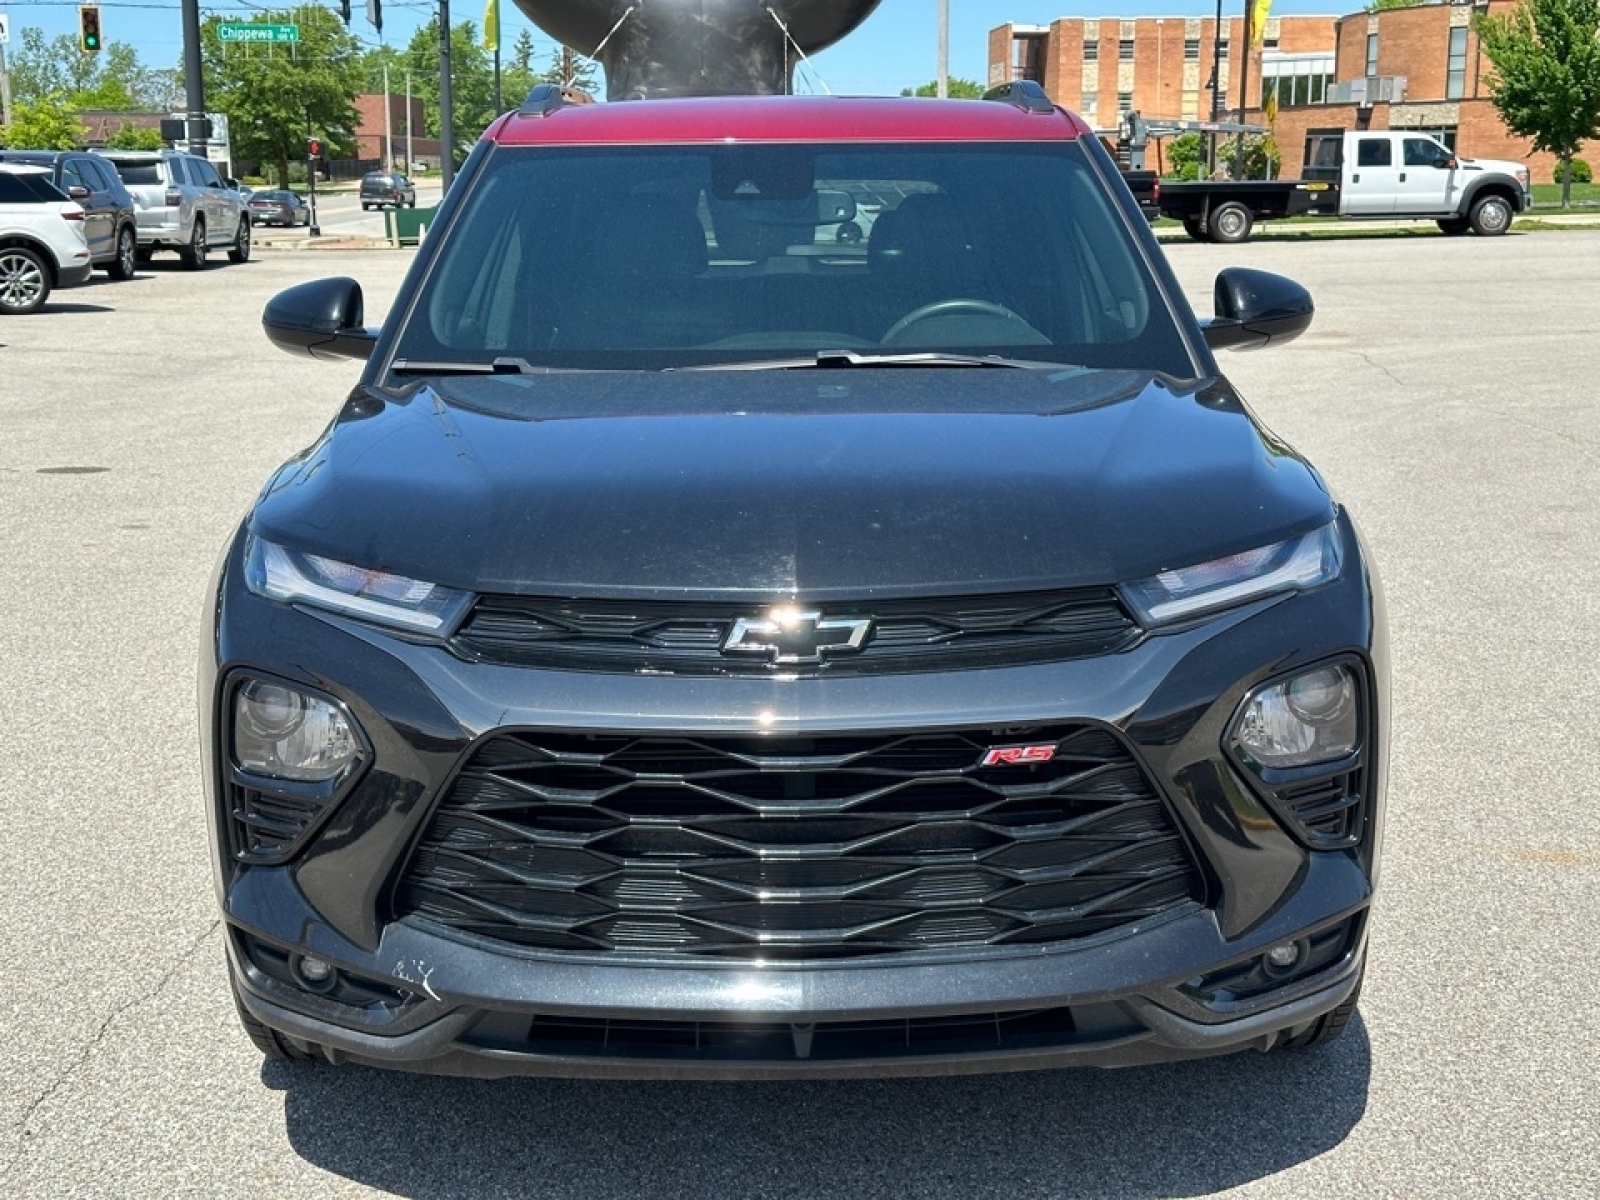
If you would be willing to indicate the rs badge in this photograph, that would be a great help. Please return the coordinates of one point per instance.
(1016, 756)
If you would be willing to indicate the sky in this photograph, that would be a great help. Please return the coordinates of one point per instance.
(896, 47)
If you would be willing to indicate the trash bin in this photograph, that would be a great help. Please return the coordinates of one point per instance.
(407, 226)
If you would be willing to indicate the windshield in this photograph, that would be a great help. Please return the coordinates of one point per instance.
(623, 257)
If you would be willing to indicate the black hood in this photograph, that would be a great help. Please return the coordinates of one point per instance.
(808, 484)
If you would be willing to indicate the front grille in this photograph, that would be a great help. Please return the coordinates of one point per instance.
(947, 633)
(775, 1042)
(782, 848)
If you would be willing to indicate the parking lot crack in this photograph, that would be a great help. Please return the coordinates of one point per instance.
(21, 1127)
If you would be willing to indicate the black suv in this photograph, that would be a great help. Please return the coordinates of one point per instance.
(381, 189)
(767, 655)
(109, 219)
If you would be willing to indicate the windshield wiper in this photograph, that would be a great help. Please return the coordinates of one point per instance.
(839, 359)
(498, 366)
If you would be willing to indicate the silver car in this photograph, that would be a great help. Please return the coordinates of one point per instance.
(182, 204)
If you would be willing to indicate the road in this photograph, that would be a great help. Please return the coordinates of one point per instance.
(1447, 391)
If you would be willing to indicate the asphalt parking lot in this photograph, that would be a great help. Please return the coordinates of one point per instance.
(1446, 390)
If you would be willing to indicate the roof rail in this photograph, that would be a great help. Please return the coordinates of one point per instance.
(547, 97)
(1024, 94)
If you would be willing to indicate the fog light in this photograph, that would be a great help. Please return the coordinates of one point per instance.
(285, 733)
(317, 975)
(1282, 958)
(1312, 718)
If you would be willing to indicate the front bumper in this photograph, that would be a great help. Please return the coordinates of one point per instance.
(422, 998)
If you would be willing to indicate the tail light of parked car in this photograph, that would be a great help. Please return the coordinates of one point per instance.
(174, 197)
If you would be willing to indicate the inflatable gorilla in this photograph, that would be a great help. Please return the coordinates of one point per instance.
(696, 47)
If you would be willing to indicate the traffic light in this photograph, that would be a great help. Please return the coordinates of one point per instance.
(375, 14)
(89, 28)
(344, 11)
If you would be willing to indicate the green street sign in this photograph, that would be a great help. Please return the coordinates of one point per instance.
(233, 32)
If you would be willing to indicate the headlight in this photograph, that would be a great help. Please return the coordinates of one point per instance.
(1311, 718)
(284, 733)
(1302, 562)
(282, 574)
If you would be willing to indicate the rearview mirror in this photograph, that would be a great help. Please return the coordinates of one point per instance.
(1256, 309)
(322, 318)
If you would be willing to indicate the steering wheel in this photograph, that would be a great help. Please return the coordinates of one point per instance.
(960, 306)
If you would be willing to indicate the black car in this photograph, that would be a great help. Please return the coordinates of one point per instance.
(279, 207)
(110, 222)
(384, 189)
(701, 647)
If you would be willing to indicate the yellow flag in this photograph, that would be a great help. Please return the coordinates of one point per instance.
(491, 26)
(1271, 108)
(1258, 20)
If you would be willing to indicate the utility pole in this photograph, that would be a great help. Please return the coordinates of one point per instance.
(1244, 85)
(944, 49)
(388, 124)
(194, 81)
(1216, 90)
(410, 163)
(5, 89)
(447, 115)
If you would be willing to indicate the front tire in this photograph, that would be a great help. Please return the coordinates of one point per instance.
(1231, 223)
(24, 281)
(1325, 1028)
(273, 1045)
(127, 257)
(240, 250)
(194, 254)
(1491, 216)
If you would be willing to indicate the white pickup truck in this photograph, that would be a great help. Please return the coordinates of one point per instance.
(1360, 175)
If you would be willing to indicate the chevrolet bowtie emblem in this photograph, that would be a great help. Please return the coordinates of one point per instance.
(790, 635)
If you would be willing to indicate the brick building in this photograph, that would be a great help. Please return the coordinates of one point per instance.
(1403, 68)
(371, 137)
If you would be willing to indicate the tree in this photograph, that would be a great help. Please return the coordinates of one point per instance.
(114, 79)
(1546, 79)
(277, 96)
(42, 124)
(956, 89)
(471, 81)
(1185, 154)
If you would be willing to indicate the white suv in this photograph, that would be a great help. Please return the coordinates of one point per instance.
(183, 204)
(42, 240)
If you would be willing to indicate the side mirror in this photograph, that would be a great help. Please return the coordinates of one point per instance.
(322, 318)
(78, 192)
(1450, 164)
(1255, 309)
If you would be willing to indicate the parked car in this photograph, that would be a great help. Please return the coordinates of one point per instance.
(756, 657)
(42, 241)
(183, 205)
(109, 219)
(383, 189)
(279, 207)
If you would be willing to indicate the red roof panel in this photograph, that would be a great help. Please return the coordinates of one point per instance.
(785, 119)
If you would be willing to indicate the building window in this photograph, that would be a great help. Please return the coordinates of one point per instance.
(1295, 80)
(1087, 104)
(1191, 49)
(1223, 51)
(1269, 43)
(1125, 50)
(1372, 54)
(1091, 52)
(1124, 102)
(1444, 134)
(1455, 80)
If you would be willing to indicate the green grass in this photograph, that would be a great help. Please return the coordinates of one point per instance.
(1584, 195)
